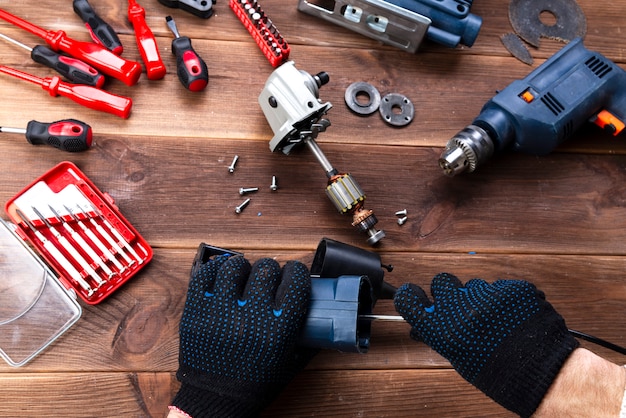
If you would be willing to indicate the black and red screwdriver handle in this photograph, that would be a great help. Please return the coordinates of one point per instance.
(192, 71)
(73, 69)
(104, 60)
(68, 134)
(100, 31)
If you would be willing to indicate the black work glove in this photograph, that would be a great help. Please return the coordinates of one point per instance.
(238, 336)
(504, 338)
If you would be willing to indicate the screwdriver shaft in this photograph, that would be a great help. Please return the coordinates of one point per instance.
(12, 130)
(83, 244)
(97, 241)
(70, 248)
(110, 240)
(14, 42)
(374, 317)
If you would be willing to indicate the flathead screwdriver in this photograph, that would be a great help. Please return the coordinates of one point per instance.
(68, 134)
(73, 69)
(191, 69)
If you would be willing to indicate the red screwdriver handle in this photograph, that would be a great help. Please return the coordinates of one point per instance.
(68, 134)
(146, 42)
(88, 96)
(104, 60)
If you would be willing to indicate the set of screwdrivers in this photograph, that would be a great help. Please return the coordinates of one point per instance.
(89, 62)
(78, 240)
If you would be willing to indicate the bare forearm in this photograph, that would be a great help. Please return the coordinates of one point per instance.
(586, 386)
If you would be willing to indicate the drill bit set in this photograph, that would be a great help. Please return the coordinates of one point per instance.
(79, 232)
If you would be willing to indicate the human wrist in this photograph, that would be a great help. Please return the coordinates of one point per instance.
(176, 412)
(587, 385)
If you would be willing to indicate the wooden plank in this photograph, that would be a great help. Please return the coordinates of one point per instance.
(397, 393)
(554, 220)
(570, 203)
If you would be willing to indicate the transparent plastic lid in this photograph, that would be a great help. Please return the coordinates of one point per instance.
(34, 308)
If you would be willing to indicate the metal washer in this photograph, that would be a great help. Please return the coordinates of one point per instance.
(364, 89)
(389, 106)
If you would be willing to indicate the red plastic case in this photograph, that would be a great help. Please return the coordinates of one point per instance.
(79, 231)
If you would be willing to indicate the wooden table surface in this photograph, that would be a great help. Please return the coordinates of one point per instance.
(556, 220)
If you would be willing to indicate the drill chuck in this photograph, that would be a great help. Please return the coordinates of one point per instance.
(466, 150)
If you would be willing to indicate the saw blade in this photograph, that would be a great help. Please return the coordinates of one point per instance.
(526, 19)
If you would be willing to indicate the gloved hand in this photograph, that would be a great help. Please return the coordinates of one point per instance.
(238, 335)
(504, 338)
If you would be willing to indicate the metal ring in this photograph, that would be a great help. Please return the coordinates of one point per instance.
(363, 89)
(396, 109)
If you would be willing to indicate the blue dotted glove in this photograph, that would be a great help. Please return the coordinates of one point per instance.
(238, 335)
(504, 338)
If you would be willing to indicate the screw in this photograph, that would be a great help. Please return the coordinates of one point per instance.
(273, 186)
(231, 167)
(402, 220)
(243, 190)
(401, 212)
(240, 208)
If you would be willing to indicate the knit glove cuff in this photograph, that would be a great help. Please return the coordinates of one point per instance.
(201, 402)
(520, 373)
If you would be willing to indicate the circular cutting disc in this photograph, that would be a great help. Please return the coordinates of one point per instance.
(526, 19)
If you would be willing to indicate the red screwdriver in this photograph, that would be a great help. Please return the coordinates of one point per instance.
(146, 42)
(68, 134)
(87, 96)
(191, 69)
(74, 70)
(89, 52)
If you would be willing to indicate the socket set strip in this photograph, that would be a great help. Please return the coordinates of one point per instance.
(262, 29)
(81, 235)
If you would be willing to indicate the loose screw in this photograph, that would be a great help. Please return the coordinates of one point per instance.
(273, 186)
(240, 208)
(244, 190)
(401, 212)
(402, 220)
(231, 167)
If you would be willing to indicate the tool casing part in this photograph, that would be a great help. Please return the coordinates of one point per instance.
(291, 104)
(200, 8)
(403, 24)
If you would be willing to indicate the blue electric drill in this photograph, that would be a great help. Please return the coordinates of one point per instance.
(536, 114)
